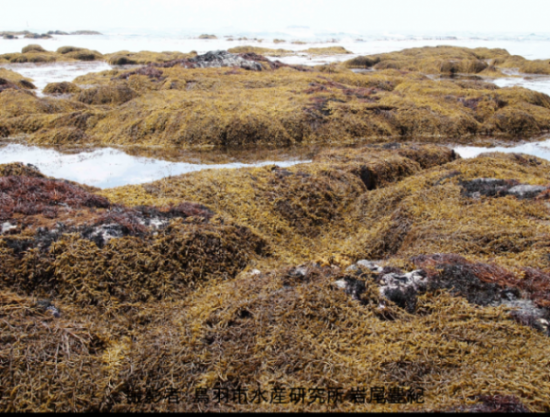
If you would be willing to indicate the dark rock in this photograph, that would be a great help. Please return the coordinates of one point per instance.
(46, 305)
(494, 404)
(492, 187)
(217, 59)
(526, 191)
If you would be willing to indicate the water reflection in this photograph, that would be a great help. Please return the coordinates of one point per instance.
(44, 73)
(108, 167)
(539, 149)
(539, 83)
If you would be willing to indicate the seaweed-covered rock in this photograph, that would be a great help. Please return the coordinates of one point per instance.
(66, 49)
(492, 187)
(217, 59)
(196, 106)
(20, 169)
(121, 60)
(37, 36)
(32, 48)
(117, 94)
(40, 215)
(5, 84)
(61, 88)
(83, 55)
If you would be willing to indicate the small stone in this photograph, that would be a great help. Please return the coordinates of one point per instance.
(54, 311)
(341, 284)
(300, 271)
(7, 226)
(526, 190)
(369, 265)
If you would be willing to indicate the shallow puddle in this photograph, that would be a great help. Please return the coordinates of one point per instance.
(539, 149)
(539, 83)
(109, 167)
(43, 74)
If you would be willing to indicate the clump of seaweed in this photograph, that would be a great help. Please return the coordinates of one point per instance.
(113, 95)
(20, 169)
(11, 77)
(32, 48)
(145, 57)
(83, 55)
(61, 88)
(67, 49)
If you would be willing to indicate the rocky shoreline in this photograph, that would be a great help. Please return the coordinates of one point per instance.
(393, 263)
(220, 99)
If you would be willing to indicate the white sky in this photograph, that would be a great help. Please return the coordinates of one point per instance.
(216, 16)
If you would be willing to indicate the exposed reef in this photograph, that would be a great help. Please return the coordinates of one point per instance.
(452, 60)
(221, 99)
(386, 263)
(37, 54)
(377, 263)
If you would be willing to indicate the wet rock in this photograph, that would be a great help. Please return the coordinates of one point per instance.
(526, 191)
(403, 289)
(489, 285)
(101, 234)
(342, 284)
(6, 227)
(217, 59)
(489, 187)
(46, 305)
(213, 59)
(369, 265)
(364, 265)
(462, 280)
(453, 273)
(492, 187)
(353, 287)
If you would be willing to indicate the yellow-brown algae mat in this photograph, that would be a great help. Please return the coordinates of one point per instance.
(380, 278)
(175, 101)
